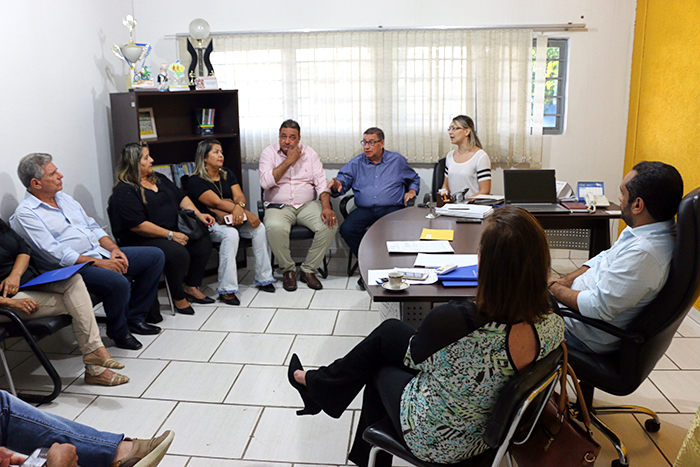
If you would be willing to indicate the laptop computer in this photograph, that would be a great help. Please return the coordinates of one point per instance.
(534, 190)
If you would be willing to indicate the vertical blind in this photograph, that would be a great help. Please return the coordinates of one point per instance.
(410, 83)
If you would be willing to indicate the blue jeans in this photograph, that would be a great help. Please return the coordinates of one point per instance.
(575, 343)
(127, 301)
(228, 270)
(24, 428)
(359, 220)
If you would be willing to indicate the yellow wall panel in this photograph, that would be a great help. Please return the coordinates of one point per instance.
(664, 116)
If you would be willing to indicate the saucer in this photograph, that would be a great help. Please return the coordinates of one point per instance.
(404, 286)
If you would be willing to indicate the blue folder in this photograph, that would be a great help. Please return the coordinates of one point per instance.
(55, 275)
(463, 273)
(459, 284)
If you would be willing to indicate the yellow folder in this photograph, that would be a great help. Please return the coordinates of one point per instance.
(437, 234)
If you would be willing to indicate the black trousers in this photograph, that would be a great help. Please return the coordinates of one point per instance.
(183, 264)
(375, 364)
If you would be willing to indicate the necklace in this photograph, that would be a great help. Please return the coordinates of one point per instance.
(219, 188)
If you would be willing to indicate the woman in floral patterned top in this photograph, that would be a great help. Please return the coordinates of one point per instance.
(438, 385)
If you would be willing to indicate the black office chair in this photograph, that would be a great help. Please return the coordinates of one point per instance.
(649, 335)
(33, 331)
(298, 232)
(344, 211)
(438, 180)
(517, 409)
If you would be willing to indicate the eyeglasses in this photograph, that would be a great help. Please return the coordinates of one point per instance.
(455, 128)
(370, 143)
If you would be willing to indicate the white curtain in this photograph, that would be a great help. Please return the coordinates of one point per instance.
(408, 83)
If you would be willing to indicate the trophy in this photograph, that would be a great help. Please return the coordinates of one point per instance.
(132, 53)
(200, 51)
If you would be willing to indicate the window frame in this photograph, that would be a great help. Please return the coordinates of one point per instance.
(562, 85)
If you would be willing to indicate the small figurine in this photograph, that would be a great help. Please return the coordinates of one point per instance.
(163, 77)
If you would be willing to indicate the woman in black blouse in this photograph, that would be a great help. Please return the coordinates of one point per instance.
(144, 211)
(69, 296)
(215, 189)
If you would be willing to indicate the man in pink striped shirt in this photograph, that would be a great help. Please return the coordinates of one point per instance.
(292, 175)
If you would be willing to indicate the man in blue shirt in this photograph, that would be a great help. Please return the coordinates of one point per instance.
(61, 234)
(382, 182)
(618, 283)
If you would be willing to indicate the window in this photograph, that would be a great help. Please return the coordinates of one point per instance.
(410, 83)
(555, 85)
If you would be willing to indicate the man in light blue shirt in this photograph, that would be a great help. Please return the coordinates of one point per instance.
(615, 285)
(382, 182)
(61, 234)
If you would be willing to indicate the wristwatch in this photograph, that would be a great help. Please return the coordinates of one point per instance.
(241, 204)
(170, 235)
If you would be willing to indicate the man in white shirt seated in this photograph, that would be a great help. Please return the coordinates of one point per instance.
(616, 284)
(61, 234)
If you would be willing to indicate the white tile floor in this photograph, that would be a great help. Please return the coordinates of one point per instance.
(219, 380)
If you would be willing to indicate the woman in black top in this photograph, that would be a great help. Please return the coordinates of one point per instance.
(215, 189)
(69, 296)
(143, 211)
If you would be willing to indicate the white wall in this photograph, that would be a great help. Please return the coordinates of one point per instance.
(58, 73)
(58, 102)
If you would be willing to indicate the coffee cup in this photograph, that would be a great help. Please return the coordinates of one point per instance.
(395, 279)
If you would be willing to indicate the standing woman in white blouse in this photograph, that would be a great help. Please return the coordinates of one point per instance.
(467, 166)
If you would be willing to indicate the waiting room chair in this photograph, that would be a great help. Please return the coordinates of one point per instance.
(649, 335)
(344, 211)
(298, 232)
(517, 409)
(33, 331)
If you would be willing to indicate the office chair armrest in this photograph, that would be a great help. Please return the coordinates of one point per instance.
(261, 209)
(601, 325)
(343, 207)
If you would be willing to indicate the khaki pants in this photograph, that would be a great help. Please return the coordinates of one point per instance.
(70, 297)
(279, 222)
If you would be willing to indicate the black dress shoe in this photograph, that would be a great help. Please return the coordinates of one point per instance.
(361, 284)
(310, 406)
(269, 288)
(185, 311)
(233, 300)
(201, 301)
(128, 342)
(143, 328)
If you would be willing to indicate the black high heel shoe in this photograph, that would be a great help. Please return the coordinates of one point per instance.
(310, 407)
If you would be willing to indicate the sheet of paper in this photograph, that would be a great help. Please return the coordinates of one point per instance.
(374, 274)
(435, 261)
(437, 234)
(419, 247)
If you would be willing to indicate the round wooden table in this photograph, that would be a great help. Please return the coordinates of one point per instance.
(407, 225)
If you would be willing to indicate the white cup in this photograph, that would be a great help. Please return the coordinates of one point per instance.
(395, 279)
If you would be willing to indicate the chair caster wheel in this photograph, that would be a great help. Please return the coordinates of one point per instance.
(652, 426)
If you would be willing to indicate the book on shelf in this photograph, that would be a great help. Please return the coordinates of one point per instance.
(164, 170)
(179, 170)
(205, 121)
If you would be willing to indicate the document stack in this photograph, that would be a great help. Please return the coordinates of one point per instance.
(471, 211)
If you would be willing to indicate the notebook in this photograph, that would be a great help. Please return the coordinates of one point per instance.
(534, 190)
